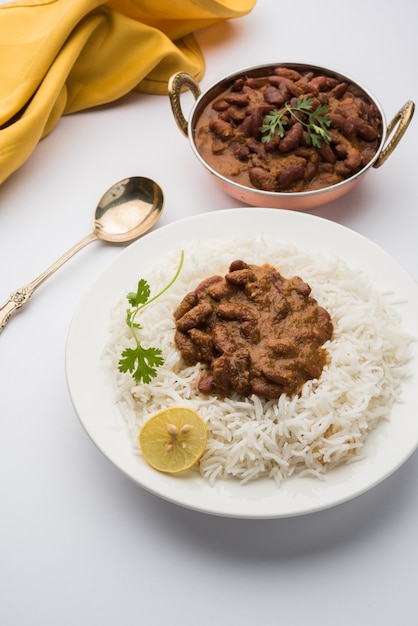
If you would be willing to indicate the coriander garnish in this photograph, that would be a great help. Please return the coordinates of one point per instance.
(142, 362)
(318, 121)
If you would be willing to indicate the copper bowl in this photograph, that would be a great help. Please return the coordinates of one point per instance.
(391, 134)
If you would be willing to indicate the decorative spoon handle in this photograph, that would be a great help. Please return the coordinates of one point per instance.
(20, 297)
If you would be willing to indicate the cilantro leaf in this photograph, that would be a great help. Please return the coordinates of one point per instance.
(142, 362)
(316, 125)
(142, 294)
(272, 122)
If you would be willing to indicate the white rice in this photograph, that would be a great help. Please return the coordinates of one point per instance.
(308, 434)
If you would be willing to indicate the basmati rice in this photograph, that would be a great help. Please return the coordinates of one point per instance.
(308, 434)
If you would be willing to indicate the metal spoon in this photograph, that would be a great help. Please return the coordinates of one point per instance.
(127, 210)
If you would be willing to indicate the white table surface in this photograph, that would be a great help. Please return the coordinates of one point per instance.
(80, 543)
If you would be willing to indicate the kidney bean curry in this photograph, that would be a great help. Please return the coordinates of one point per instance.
(254, 331)
(230, 138)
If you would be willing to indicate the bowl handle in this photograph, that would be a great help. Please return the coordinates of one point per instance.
(398, 126)
(177, 83)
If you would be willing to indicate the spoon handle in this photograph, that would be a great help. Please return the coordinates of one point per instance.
(20, 297)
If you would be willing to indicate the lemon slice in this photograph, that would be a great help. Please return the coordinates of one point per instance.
(173, 439)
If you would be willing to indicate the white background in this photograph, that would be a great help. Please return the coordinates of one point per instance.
(82, 544)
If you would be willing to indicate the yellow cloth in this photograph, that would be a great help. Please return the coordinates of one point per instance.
(61, 56)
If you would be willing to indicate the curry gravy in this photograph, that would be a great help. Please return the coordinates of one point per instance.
(255, 331)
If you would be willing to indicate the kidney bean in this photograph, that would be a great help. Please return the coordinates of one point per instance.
(340, 150)
(290, 175)
(350, 164)
(206, 284)
(353, 160)
(189, 350)
(293, 88)
(221, 128)
(188, 302)
(323, 98)
(338, 91)
(224, 116)
(256, 147)
(291, 139)
(321, 83)
(271, 146)
(362, 107)
(281, 347)
(250, 331)
(373, 114)
(316, 84)
(337, 120)
(342, 123)
(220, 105)
(239, 276)
(194, 316)
(349, 127)
(365, 131)
(206, 384)
(310, 170)
(236, 114)
(231, 311)
(306, 78)
(278, 83)
(307, 152)
(297, 284)
(222, 340)
(262, 179)
(238, 99)
(274, 96)
(238, 264)
(255, 83)
(325, 168)
(287, 72)
(230, 367)
(241, 151)
(257, 116)
(219, 290)
(246, 127)
(326, 153)
(367, 155)
(238, 84)
(275, 373)
(203, 343)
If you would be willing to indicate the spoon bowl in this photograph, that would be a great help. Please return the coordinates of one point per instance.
(127, 210)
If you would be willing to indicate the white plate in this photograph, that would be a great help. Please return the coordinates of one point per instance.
(387, 447)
